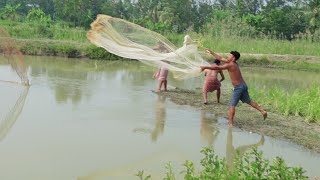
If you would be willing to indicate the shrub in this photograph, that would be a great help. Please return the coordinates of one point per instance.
(94, 52)
(251, 166)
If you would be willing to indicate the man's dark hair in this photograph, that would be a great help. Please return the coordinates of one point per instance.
(217, 62)
(236, 54)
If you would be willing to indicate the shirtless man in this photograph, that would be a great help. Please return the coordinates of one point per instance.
(240, 90)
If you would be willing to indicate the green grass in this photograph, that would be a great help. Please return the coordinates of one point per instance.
(233, 34)
(64, 49)
(302, 102)
(59, 39)
(261, 45)
(58, 31)
(250, 45)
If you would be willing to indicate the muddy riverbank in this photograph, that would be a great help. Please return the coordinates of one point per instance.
(292, 128)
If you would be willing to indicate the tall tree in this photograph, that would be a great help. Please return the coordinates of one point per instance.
(10, 12)
(314, 23)
(203, 15)
(47, 6)
(245, 7)
(183, 17)
(108, 7)
(79, 12)
(284, 22)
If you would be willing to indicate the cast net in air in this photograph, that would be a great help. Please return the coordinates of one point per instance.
(13, 72)
(132, 41)
(13, 98)
(10, 54)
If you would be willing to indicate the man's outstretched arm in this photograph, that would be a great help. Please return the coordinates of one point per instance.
(217, 56)
(223, 67)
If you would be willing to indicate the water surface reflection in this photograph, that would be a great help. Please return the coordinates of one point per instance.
(209, 130)
(232, 152)
(159, 120)
(99, 120)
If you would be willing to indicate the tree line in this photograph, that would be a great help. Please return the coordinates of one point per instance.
(282, 19)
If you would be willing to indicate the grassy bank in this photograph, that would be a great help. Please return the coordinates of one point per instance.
(54, 40)
(63, 48)
(221, 42)
(73, 49)
(286, 119)
(57, 31)
(283, 62)
(61, 40)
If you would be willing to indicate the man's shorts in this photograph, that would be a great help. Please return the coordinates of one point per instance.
(240, 92)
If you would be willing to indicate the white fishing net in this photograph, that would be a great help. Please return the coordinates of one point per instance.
(13, 56)
(13, 97)
(13, 71)
(132, 41)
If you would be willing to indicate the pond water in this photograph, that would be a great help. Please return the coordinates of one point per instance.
(99, 120)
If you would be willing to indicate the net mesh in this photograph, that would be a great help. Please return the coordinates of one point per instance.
(14, 56)
(13, 99)
(132, 41)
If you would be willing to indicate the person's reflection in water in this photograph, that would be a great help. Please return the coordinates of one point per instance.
(231, 151)
(160, 116)
(208, 129)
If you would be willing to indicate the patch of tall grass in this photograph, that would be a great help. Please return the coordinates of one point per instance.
(57, 31)
(261, 45)
(234, 34)
(251, 166)
(301, 102)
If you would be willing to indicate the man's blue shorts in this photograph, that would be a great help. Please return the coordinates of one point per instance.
(240, 92)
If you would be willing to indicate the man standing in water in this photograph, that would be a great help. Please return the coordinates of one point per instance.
(240, 90)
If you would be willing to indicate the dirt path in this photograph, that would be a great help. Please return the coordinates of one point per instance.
(246, 118)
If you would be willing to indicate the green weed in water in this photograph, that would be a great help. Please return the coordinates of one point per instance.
(251, 166)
